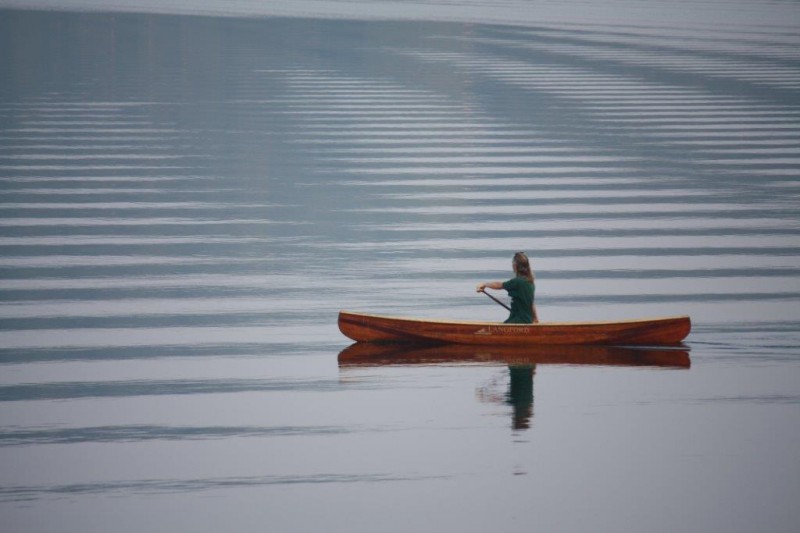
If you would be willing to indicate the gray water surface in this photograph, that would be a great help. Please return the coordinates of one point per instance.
(187, 202)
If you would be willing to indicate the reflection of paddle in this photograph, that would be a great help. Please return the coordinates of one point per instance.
(495, 299)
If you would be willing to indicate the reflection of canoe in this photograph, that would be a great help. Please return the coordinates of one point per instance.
(409, 354)
(654, 332)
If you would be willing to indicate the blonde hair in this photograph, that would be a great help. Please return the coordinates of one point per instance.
(522, 266)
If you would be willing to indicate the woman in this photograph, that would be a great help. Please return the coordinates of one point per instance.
(521, 288)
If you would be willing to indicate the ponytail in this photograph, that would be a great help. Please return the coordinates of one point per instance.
(522, 266)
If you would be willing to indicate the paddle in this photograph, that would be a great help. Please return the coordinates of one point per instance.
(496, 300)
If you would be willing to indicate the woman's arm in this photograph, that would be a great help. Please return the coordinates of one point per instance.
(534, 314)
(496, 285)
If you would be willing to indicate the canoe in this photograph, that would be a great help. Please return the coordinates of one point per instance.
(383, 354)
(650, 332)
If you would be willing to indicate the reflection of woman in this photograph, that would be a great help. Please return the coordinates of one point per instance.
(521, 288)
(520, 394)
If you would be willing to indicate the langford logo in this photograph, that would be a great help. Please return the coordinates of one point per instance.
(503, 330)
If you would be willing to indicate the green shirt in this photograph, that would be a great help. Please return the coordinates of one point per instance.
(521, 292)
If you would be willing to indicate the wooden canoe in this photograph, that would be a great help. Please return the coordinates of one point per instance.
(649, 332)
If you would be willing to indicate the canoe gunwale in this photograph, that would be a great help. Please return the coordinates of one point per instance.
(485, 323)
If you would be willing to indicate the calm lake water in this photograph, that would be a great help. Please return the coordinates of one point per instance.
(188, 201)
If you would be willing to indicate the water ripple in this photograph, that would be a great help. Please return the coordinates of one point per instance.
(22, 493)
(142, 433)
(120, 389)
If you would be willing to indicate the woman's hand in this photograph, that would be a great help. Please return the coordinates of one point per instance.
(495, 285)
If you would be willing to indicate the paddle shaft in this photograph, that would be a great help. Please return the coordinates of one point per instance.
(496, 300)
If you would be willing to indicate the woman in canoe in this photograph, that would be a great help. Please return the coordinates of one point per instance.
(521, 288)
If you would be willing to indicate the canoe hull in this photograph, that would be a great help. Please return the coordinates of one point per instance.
(649, 332)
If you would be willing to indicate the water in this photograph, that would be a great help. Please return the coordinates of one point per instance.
(187, 202)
